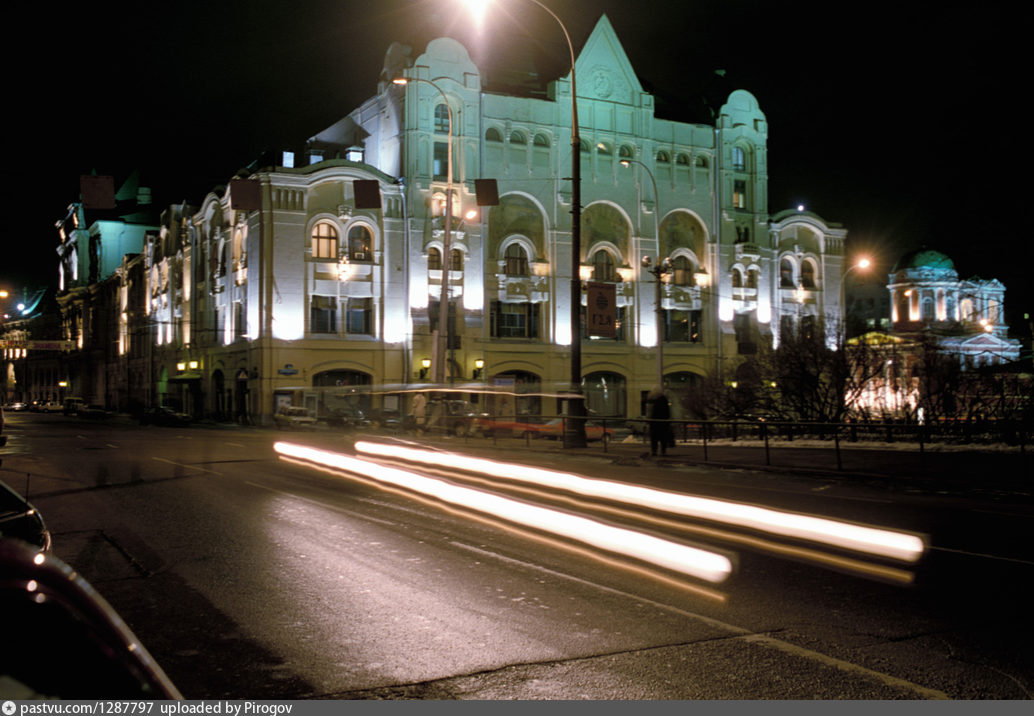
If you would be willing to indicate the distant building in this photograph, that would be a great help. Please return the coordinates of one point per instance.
(940, 327)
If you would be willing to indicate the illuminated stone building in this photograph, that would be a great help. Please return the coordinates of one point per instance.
(283, 282)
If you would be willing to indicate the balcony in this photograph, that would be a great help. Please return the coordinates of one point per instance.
(748, 252)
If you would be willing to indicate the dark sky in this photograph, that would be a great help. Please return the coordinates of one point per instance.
(901, 120)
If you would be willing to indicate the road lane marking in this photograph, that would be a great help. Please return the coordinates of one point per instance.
(983, 555)
(737, 632)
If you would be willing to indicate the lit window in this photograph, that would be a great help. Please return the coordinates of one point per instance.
(682, 271)
(288, 160)
(808, 275)
(739, 194)
(786, 274)
(360, 242)
(324, 241)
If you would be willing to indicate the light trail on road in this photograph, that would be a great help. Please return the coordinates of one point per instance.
(692, 561)
(859, 538)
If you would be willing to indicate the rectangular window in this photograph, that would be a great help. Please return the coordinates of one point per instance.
(514, 320)
(441, 161)
(322, 314)
(359, 316)
(683, 326)
(739, 194)
(239, 323)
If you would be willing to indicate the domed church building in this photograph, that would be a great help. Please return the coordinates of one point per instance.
(966, 317)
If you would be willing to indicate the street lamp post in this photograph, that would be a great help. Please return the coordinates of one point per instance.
(442, 344)
(574, 431)
(862, 263)
(663, 266)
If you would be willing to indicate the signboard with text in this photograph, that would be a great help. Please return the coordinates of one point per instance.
(37, 345)
(601, 310)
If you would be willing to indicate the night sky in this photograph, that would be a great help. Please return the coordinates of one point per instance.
(902, 121)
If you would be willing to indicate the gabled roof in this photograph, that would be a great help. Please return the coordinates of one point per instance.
(604, 71)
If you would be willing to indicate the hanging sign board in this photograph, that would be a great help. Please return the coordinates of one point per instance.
(601, 310)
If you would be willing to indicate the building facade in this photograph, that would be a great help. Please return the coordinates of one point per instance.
(941, 328)
(290, 279)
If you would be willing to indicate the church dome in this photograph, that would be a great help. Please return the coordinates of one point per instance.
(923, 258)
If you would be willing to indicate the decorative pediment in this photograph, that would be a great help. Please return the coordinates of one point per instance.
(604, 71)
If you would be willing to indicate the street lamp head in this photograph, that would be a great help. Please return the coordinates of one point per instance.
(863, 263)
(400, 81)
(647, 262)
(625, 163)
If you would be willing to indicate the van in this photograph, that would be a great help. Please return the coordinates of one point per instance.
(71, 406)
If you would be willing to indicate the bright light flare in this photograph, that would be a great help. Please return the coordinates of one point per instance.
(477, 10)
(663, 553)
(859, 538)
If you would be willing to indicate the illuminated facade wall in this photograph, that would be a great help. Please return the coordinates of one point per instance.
(307, 288)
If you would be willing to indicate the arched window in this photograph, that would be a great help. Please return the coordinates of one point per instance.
(605, 393)
(682, 160)
(786, 273)
(752, 278)
(541, 140)
(625, 152)
(927, 310)
(682, 271)
(457, 260)
(701, 162)
(360, 243)
(493, 135)
(808, 274)
(517, 138)
(324, 241)
(603, 267)
(663, 157)
(739, 162)
(516, 260)
(737, 278)
(434, 259)
(604, 149)
(441, 119)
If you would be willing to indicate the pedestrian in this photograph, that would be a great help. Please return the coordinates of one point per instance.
(659, 415)
(419, 410)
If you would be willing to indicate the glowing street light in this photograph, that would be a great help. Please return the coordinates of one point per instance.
(574, 432)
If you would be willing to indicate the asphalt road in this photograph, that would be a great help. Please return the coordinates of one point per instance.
(249, 576)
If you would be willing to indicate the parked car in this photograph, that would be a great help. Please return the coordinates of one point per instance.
(165, 417)
(46, 406)
(294, 416)
(63, 640)
(17, 406)
(94, 412)
(20, 520)
(345, 416)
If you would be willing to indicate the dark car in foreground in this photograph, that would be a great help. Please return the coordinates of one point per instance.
(20, 520)
(62, 640)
